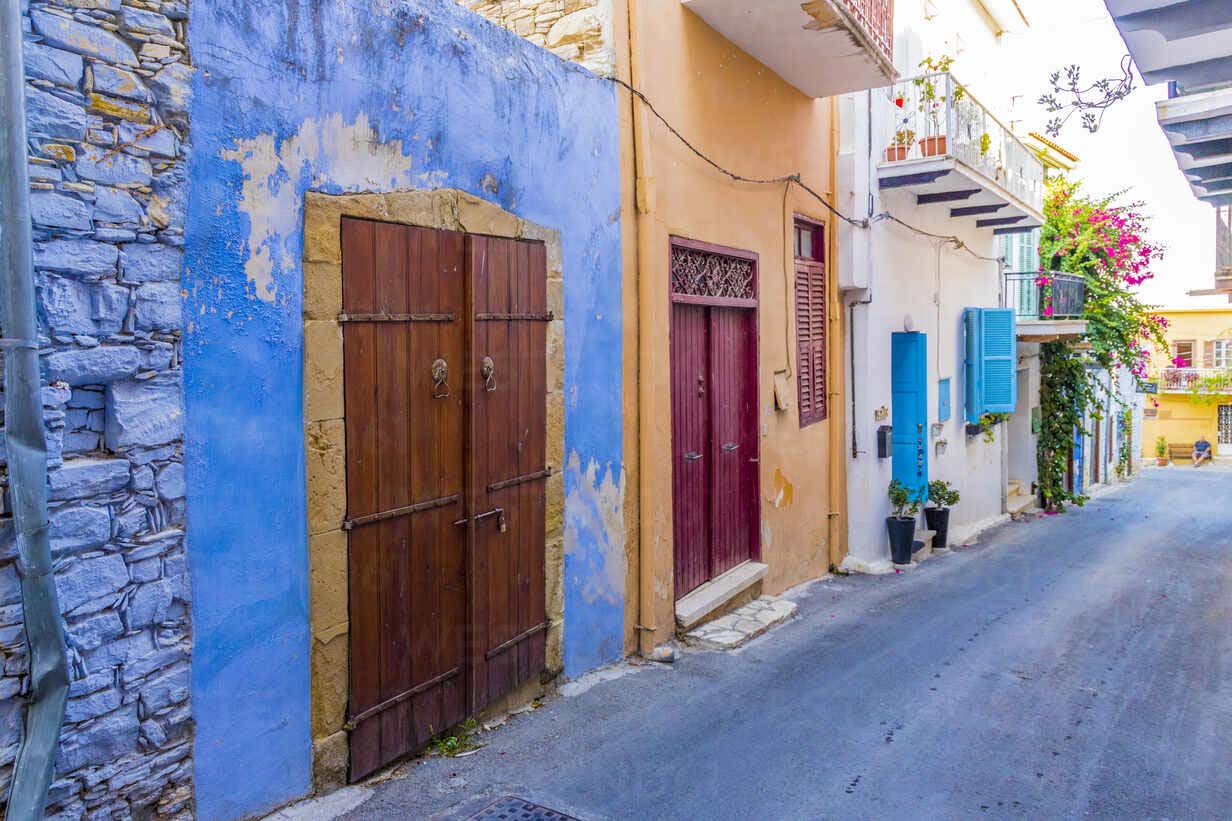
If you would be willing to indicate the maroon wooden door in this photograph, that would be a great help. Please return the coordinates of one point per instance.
(433, 590)
(733, 439)
(691, 456)
(714, 451)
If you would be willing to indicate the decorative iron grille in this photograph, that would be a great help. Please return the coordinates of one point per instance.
(706, 273)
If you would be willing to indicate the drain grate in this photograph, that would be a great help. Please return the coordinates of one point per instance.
(512, 808)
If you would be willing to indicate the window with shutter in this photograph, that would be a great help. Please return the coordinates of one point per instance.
(991, 362)
(810, 322)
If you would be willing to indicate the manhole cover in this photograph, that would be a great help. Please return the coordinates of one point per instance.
(512, 808)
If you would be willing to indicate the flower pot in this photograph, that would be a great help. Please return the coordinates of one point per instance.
(938, 519)
(896, 153)
(901, 533)
(932, 146)
(1162, 461)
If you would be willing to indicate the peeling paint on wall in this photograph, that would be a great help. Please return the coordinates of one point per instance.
(595, 564)
(344, 97)
(356, 160)
(784, 491)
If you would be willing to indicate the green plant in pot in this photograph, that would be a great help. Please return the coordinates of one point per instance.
(904, 138)
(933, 99)
(943, 496)
(900, 525)
(1161, 451)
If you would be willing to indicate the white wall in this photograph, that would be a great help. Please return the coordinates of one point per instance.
(913, 280)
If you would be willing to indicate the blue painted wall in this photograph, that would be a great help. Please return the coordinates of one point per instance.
(340, 95)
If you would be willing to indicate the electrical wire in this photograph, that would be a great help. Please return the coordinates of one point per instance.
(795, 179)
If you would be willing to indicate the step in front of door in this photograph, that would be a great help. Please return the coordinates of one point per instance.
(712, 595)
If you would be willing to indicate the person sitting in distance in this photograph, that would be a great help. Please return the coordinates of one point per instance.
(1202, 450)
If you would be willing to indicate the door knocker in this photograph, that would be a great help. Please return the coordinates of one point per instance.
(440, 379)
(488, 371)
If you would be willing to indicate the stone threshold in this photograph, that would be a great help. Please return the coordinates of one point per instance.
(709, 597)
(742, 625)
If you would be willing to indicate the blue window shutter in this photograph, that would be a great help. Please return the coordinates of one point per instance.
(1000, 356)
(943, 400)
(974, 364)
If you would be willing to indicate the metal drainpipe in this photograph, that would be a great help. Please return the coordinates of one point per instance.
(27, 449)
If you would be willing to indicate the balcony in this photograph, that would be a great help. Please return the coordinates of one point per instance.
(1048, 305)
(938, 142)
(1223, 255)
(822, 47)
(1187, 45)
(1195, 380)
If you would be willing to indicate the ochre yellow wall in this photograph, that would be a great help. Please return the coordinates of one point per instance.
(1182, 417)
(749, 120)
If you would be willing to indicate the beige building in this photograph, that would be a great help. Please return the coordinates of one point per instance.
(734, 419)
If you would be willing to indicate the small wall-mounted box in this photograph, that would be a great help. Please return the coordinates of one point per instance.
(885, 442)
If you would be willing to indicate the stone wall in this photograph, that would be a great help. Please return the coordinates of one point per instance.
(107, 93)
(577, 30)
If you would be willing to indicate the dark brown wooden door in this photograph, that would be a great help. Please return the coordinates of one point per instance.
(508, 442)
(714, 441)
(419, 459)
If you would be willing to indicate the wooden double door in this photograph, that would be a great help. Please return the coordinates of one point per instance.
(444, 352)
(714, 440)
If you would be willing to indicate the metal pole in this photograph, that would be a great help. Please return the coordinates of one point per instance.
(27, 449)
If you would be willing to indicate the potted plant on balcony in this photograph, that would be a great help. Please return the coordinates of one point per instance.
(901, 144)
(932, 100)
(1161, 451)
(943, 496)
(985, 144)
(900, 524)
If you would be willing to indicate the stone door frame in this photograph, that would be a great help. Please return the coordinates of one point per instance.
(325, 425)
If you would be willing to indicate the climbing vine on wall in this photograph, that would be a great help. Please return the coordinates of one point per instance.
(1106, 244)
(1066, 391)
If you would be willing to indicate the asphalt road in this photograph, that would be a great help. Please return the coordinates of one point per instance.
(1073, 666)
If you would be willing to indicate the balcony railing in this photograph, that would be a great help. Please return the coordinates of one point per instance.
(1200, 380)
(877, 18)
(1223, 241)
(1045, 296)
(935, 116)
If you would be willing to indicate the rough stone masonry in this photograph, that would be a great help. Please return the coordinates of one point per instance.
(106, 101)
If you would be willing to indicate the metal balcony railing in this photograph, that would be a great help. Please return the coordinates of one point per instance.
(1045, 295)
(1223, 241)
(935, 116)
(877, 18)
(1202, 380)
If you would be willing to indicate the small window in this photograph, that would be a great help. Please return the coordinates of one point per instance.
(809, 244)
(1182, 354)
(1221, 350)
(810, 322)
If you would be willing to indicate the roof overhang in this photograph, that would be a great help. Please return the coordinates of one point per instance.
(822, 47)
(1170, 41)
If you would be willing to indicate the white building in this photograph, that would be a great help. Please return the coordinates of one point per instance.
(939, 335)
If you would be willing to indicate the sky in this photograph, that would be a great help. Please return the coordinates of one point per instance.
(1129, 152)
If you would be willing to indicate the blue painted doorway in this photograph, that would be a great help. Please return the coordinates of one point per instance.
(909, 408)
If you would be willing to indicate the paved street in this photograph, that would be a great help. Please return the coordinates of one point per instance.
(1070, 666)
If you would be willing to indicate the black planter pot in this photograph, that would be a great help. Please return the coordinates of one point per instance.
(938, 519)
(901, 533)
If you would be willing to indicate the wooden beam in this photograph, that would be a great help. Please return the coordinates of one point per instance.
(999, 221)
(947, 196)
(972, 210)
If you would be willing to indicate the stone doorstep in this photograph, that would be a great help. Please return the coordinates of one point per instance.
(742, 625)
(1017, 502)
(712, 595)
